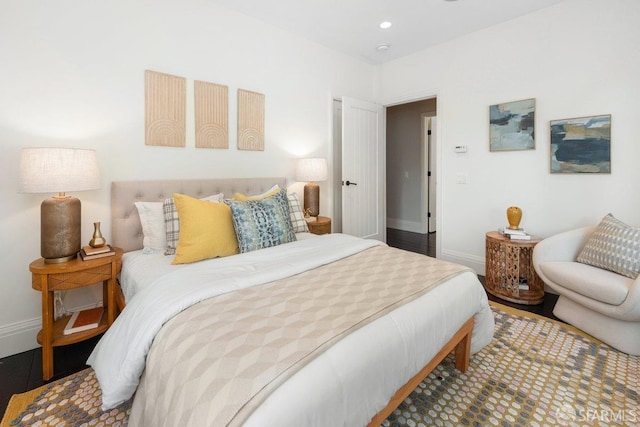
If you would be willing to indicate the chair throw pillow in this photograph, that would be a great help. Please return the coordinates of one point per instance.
(262, 223)
(613, 246)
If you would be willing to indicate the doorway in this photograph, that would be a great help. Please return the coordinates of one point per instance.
(416, 179)
(410, 175)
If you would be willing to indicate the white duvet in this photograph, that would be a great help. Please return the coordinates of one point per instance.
(403, 340)
(119, 357)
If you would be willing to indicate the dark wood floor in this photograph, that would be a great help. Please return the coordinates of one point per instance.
(23, 372)
(426, 244)
(414, 242)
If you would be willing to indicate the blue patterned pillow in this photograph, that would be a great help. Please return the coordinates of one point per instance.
(262, 223)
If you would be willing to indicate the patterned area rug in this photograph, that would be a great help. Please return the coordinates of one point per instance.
(536, 372)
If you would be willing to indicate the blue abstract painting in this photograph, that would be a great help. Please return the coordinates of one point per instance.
(512, 126)
(581, 145)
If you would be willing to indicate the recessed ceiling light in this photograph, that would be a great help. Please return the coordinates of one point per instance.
(386, 24)
(382, 47)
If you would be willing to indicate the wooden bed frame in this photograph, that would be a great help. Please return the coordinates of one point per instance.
(460, 342)
(126, 233)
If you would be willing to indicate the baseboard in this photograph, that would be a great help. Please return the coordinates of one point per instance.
(404, 225)
(472, 261)
(19, 337)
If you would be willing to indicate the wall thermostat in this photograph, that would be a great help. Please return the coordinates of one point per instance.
(460, 149)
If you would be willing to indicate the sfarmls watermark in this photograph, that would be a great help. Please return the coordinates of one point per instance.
(569, 413)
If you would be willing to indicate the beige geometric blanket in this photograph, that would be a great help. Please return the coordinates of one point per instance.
(215, 362)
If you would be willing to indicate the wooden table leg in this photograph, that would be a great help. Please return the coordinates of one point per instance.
(107, 301)
(47, 332)
(110, 297)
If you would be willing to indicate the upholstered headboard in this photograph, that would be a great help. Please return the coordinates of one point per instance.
(126, 230)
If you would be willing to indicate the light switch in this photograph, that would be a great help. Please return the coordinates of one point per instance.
(461, 178)
(460, 149)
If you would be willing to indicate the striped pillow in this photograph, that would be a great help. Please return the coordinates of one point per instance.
(297, 217)
(613, 246)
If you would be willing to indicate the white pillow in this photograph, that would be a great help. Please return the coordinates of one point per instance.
(266, 193)
(152, 219)
(244, 197)
(219, 197)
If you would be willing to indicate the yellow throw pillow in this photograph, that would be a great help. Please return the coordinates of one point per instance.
(206, 230)
(270, 192)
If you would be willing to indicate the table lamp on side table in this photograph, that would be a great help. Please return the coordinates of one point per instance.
(312, 171)
(58, 170)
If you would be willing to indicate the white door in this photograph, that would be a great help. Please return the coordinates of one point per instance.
(429, 177)
(426, 172)
(363, 169)
(432, 179)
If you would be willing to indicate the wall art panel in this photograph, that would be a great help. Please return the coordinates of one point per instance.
(211, 115)
(165, 109)
(512, 126)
(581, 145)
(250, 120)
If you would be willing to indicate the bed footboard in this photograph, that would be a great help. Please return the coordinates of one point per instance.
(461, 342)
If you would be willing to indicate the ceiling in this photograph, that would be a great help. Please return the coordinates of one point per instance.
(352, 26)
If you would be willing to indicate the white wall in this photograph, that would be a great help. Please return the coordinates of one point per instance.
(578, 58)
(72, 75)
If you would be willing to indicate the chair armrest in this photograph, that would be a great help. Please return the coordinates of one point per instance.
(563, 246)
(630, 308)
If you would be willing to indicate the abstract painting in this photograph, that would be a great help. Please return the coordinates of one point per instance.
(512, 126)
(165, 109)
(211, 115)
(581, 145)
(250, 120)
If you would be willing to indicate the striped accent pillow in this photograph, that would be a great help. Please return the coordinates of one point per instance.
(613, 246)
(297, 217)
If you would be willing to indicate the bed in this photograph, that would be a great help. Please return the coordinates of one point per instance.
(324, 330)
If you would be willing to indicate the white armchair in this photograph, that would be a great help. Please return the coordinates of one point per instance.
(600, 302)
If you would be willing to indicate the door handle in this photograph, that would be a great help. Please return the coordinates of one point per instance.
(351, 183)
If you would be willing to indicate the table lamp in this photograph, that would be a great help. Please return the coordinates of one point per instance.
(312, 171)
(59, 170)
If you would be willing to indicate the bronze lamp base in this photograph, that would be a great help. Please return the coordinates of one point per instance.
(59, 228)
(312, 198)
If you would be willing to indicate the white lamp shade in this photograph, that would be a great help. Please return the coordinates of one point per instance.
(311, 170)
(58, 170)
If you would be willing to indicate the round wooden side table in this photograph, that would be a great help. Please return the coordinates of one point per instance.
(509, 271)
(322, 225)
(49, 278)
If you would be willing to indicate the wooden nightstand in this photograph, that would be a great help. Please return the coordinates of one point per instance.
(48, 278)
(320, 226)
(509, 271)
